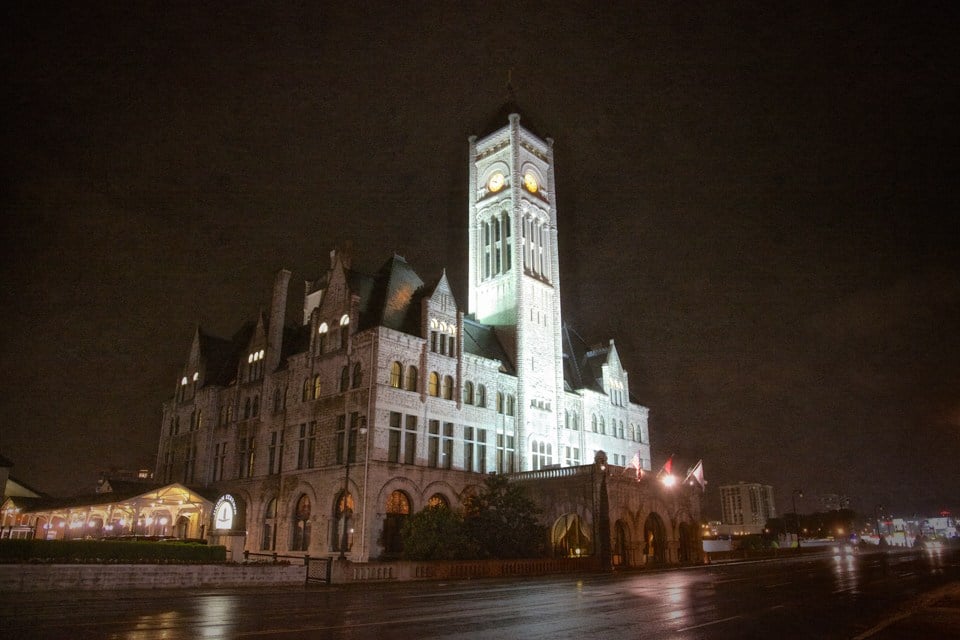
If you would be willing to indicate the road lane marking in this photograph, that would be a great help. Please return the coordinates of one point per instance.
(707, 624)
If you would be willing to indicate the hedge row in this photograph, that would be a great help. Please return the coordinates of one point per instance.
(108, 551)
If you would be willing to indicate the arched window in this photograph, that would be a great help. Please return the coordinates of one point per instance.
(317, 386)
(412, 376)
(307, 388)
(246, 409)
(397, 511)
(344, 331)
(447, 388)
(396, 375)
(511, 404)
(468, 392)
(256, 406)
(438, 500)
(499, 402)
(268, 538)
(276, 400)
(481, 396)
(344, 379)
(576, 422)
(342, 533)
(593, 422)
(301, 525)
(603, 426)
(357, 375)
(322, 338)
(434, 387)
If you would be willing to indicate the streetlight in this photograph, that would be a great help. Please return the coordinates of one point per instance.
(347, 513)
(797, 492)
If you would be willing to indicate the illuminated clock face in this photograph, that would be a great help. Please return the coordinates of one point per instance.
(530, 182)
(495, 183)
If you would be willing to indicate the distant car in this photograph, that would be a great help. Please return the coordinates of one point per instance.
(844, 549)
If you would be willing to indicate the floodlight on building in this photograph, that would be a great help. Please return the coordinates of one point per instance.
(669, 480)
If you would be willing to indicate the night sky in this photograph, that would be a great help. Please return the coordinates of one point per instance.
(757, 202)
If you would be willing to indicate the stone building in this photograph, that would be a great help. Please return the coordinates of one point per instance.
(321, 435)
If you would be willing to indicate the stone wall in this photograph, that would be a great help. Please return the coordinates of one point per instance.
(57, 577)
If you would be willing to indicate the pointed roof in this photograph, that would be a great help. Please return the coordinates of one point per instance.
(482, 340)
(583, 363)
(389, 296)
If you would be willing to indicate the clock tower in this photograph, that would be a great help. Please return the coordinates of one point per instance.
(514, 276)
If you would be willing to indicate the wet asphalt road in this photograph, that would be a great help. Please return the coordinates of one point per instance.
(820, 597)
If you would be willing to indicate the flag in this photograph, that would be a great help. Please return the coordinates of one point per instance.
(696, 474)
(667, 466)
(635, 463)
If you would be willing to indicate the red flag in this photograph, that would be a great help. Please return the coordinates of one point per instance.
(668, 465)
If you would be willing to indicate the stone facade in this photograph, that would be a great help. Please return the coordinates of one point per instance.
(389, 395)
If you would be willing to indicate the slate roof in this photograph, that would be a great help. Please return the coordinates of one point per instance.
(481, 340)
(582, 363)
(387, 298)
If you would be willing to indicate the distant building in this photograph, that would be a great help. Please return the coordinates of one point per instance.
(746, 507)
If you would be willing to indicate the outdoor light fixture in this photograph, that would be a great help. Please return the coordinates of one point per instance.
(669, 480)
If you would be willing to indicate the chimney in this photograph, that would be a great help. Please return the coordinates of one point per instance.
(278, 312)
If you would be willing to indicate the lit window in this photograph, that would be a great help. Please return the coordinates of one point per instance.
(411, 381)
(434, 386)
(396, 373)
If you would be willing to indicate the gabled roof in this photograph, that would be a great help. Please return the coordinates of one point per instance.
(390, 295)
(482, 340)
(221, 357)
(583, 364)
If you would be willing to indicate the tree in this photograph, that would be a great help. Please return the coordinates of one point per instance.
(503, 522)
(436, 533)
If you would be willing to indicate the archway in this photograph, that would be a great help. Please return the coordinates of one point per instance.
(655, 540)
(397, 511)
(569, 537)
(688, 542)
(621, 545)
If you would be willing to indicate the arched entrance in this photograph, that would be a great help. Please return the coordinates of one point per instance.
(569, 537)
(688, 550)
(621, 545)
(654, 540)
(397, 510)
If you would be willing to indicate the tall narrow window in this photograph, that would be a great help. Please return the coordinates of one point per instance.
(468, 392)
(357, 376)
(395, 436)
(344, 379)
(411, 379)
(447, 388)
(396, 375)
(317, 386)
(508, 249)
(344, 331)
(341, 535)
(322, 338)
(301, 525)
(410, 440)
(268, 537)
(434, 387)
(481, 396)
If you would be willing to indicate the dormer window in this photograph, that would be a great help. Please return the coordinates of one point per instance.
(322, 337)
(255, 365)
(344, 331)
(443, 337)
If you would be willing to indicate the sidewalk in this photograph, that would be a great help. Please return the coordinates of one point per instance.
(934, 615)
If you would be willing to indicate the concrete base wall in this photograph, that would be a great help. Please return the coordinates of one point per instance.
(56, 577)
